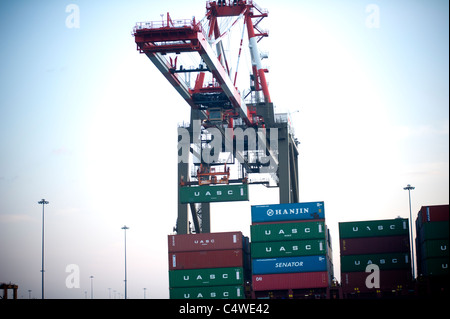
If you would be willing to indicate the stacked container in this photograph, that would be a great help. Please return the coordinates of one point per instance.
(208, 265)
(290, 249)
(432, 247)
(384, 243)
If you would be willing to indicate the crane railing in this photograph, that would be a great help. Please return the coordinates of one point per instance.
(179, 23)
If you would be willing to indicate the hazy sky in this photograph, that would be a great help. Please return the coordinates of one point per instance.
(90, 124)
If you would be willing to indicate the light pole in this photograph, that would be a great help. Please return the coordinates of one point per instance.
(125, 231)
(92, 287)
(42, 202)
(409, 188)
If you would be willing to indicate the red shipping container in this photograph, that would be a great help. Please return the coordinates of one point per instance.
(436, 213)
(374, 245)
(206, 259)
(205, 241)
(304, 280)
(394, 279)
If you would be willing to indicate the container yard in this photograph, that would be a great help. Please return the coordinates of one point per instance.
(235, 139)
(291, 259)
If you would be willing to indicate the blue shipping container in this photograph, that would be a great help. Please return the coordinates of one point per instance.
(288, 212)
(289, 265)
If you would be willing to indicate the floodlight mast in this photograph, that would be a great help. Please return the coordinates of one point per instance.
(43, 202)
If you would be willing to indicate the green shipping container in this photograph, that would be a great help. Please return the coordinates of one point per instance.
(374, 228)
(206, 277)
(383, 261)
(217, 292)
(435, 266)
(289, 248)
(287, 231)
(434, 248)
(213, 193)
(434, 230)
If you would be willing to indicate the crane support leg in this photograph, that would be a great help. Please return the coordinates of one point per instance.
(182, 219)
(287, 167)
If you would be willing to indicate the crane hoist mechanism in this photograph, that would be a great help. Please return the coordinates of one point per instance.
(211, 175)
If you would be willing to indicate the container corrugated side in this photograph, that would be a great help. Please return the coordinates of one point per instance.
(289, 248)
(287, 231)
(433, 248)
(216, 292)
(383, 261)
(437, 266)
(206, 277)
(285, 212)
(374, 245)
(206, 259)
(205, 241)
(290, 221)
(289, 265)
(434, 230)
(306, 280)
(354, 282)
(373, 228)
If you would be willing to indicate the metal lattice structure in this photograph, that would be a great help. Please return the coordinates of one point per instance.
(224, 96)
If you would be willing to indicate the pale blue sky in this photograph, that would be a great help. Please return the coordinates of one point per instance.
(90, 124)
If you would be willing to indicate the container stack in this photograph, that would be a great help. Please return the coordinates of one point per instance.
(384, 243)
(432, 247)
(208, 265)
(290, 250)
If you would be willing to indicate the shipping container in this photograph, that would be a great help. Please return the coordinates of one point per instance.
(206, 241)
(433, 230)
(388, 280)
(216, 292)
(433, 248)
(373, 228)
(288, 212)
(436, 213)
(287, 231)
(437, 266)
(207, 259)
(303, 280)
(290, 221)
(383, 261)
(289, 265)
(374, 245)
(206, 277)
(289, 248)
(214, 193)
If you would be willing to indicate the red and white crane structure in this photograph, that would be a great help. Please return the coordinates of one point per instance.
(223, 95)
(159, 39)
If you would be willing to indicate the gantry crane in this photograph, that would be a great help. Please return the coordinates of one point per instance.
(214, 97)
